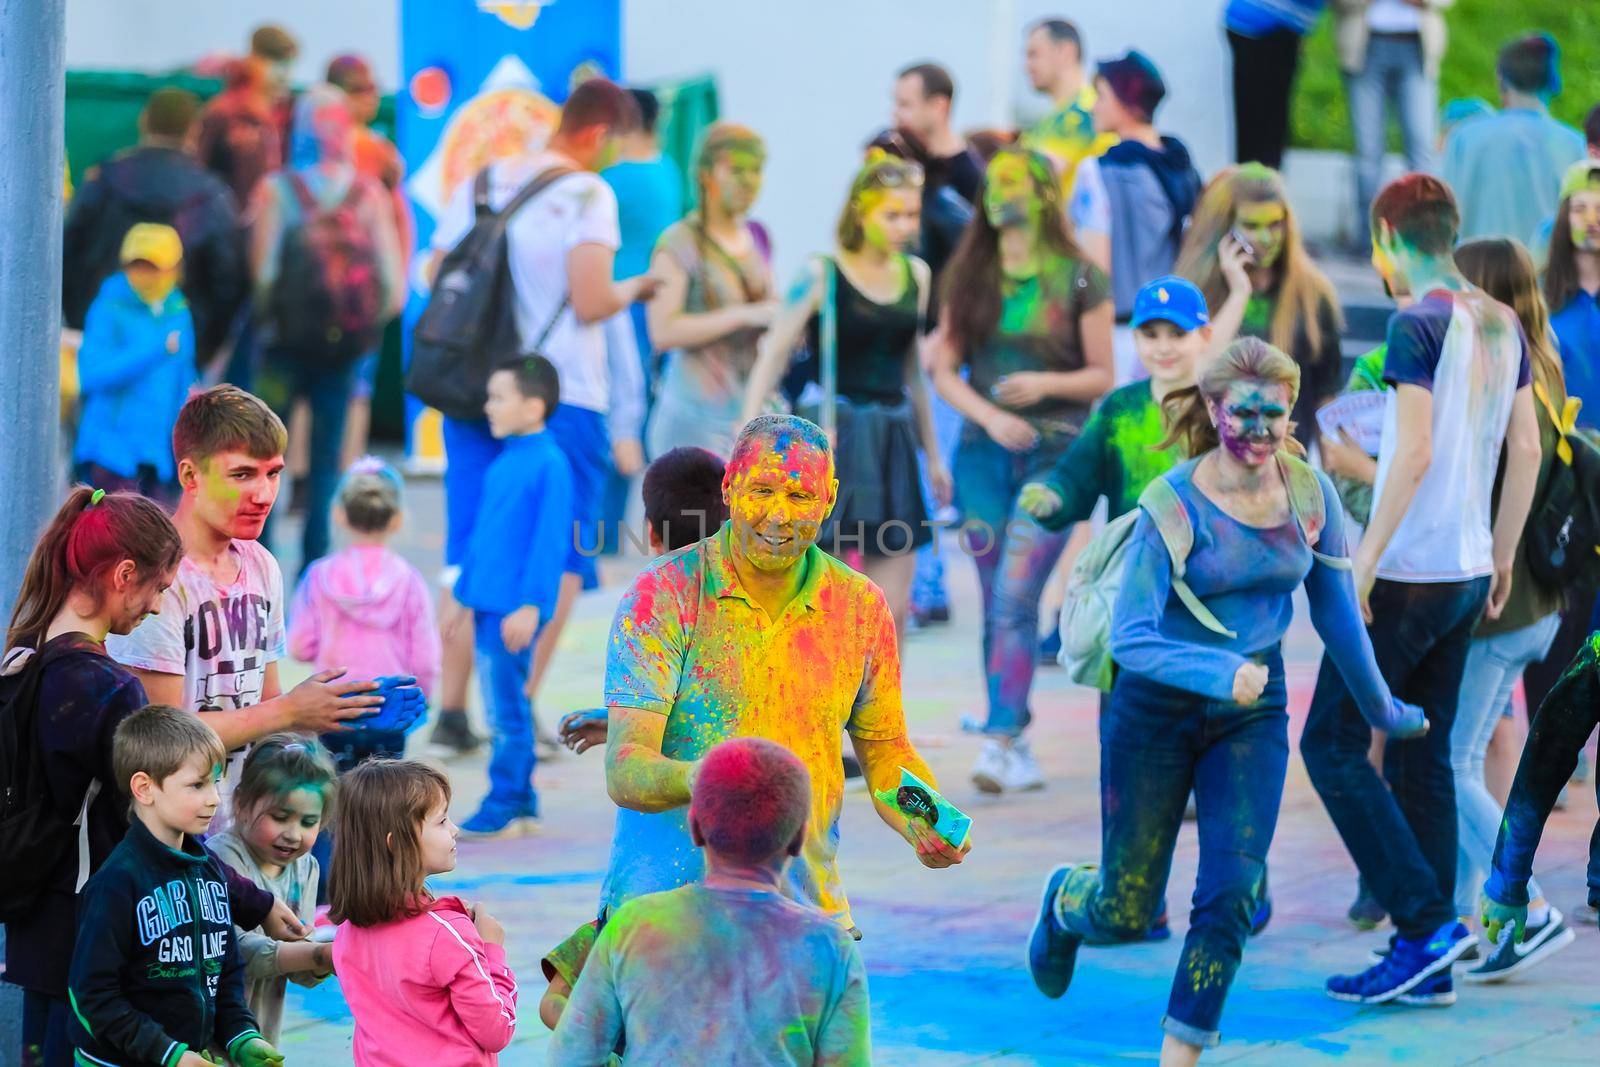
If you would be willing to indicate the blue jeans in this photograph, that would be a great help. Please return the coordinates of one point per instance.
(1157, 743)
(1392, 77)
(502, 674)
(928, 586)
(1493, 666)
(46, 1021)
(1403, 837)
(282, 380)
(1014, 556)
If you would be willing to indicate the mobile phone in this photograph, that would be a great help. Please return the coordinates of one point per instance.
(1249, 249)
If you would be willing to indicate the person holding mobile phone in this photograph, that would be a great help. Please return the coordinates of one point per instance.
(1245, 253)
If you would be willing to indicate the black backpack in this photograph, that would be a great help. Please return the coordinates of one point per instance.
(34, 835)
(1562, 535)
(470, 322)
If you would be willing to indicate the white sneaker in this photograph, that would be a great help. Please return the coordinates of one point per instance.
(992, 770)
(1022, 771)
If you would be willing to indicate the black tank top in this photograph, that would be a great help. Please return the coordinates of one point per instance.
(874, 339)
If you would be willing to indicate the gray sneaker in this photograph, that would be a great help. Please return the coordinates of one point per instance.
(1512, 957)
(989, 773)
(452, 735)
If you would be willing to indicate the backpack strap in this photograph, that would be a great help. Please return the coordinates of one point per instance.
(536, 185)
(1161, 502)
(1309, 506)
(302, 193)
(480, 194)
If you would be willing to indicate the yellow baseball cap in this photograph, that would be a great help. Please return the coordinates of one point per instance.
(154, 243)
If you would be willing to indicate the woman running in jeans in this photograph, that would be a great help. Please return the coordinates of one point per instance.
(1029, 318)
(715, 300)
(1191, 708)
(880, 295)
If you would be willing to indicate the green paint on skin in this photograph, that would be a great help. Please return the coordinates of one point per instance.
(1264, 225)
(1009, 198)
(1583, 216)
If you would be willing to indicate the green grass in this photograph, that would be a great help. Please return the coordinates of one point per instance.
(1320, 119)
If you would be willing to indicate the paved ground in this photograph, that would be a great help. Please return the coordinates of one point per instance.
(944, 949)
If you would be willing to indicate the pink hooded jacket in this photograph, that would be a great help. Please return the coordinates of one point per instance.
(366, 610)
(426, 990)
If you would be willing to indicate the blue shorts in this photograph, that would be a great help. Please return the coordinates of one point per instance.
(582, 437)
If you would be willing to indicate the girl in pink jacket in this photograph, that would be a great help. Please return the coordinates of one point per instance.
(425, 976)
(365, 608)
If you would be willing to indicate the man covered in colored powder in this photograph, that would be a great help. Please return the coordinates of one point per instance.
(755, 632)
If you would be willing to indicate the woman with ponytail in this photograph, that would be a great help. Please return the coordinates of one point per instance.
(1201, 705)
(100, 567)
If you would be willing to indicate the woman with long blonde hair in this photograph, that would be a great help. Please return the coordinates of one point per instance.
(1244, 251)
(1199, 701)
(715, 300)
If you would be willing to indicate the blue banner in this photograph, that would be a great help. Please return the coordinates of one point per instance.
(483, 80)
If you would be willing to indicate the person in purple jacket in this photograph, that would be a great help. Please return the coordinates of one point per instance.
(1194, 708)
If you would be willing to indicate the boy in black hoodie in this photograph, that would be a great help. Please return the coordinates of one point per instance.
(1144, 188)
(156, 979)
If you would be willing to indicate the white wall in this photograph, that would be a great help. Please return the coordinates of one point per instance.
(813, 77)
(160, 35)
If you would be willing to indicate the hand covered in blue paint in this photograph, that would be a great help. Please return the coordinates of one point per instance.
(1406, 721)
(1498, 917)
(403, 704)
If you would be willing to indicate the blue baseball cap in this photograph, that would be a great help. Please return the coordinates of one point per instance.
(1171, 299)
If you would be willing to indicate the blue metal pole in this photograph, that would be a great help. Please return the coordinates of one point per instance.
(32, 124)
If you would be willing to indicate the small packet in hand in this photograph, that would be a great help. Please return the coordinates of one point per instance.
(917, 798)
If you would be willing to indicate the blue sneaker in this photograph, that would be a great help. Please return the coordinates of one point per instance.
(1436, 991)
(1408, 965)
(488, 825)
(1052, 951)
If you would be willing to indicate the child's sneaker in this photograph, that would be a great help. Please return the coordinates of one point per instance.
(1408, 964)
(1510, 957)
(489, 825)
(1052, 951)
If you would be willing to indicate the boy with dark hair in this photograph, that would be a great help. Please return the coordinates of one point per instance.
(1430, 563)
(682, 505)
(772, 981)
(214, 646)
(156, 978)
(511, 577)
(1507, 167)
(683, 498)
(1143, 189)
(245, 127)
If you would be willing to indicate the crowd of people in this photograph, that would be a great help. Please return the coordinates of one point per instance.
(1004, 330)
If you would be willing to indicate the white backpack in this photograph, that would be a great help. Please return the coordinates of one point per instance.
(1096, 577)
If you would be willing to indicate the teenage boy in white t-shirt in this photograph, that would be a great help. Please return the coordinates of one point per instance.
(1428, 566)
(560, 247)
(214, 646)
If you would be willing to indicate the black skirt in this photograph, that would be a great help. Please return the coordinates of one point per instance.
(880, 510)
